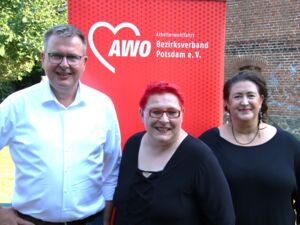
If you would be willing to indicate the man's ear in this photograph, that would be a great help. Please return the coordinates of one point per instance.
(85, 59)
(43, 58)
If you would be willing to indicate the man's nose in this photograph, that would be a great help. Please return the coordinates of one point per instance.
(64, 62)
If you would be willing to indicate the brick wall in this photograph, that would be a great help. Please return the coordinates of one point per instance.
(265, 34)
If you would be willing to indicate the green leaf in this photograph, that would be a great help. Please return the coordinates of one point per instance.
(2, 51)
(22, 26)
(24, 19)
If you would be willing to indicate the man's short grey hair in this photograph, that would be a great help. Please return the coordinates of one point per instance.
(64, 30)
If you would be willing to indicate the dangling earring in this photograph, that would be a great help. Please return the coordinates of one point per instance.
(226, 117)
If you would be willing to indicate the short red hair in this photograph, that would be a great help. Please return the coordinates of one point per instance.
(161, 87)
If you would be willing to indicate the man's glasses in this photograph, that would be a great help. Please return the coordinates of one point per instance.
(57, 58)
(158, 113)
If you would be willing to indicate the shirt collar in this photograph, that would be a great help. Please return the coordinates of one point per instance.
(48, 95)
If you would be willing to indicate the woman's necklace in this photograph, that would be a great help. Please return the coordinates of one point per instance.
(247, 143)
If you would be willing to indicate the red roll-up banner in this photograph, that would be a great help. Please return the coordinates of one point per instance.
(134, 42)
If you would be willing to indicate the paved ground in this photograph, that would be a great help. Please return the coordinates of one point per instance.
(7, 172)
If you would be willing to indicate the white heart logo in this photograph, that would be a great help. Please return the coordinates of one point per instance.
(114, 30)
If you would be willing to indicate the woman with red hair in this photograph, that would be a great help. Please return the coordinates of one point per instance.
(168, 177)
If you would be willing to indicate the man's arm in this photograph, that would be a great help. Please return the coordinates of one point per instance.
(111, 163)
(107, 212)
(8, 216)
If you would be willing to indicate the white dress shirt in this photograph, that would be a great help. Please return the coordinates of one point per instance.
(66, 158)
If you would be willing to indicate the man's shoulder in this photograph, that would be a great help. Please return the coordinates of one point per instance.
(93, 93)
(34, 90)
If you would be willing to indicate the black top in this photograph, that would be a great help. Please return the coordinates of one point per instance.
(191, 189)
(263, 179)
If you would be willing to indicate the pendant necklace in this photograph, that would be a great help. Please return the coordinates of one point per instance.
(247, 143)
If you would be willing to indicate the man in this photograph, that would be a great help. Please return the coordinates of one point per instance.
(64, 139)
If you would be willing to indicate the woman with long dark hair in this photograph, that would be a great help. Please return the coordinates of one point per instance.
(261, 162)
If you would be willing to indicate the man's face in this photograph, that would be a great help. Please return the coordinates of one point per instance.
(64, 75)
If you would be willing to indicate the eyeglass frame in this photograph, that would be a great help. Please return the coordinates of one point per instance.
(164, 112)
(51, 54)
